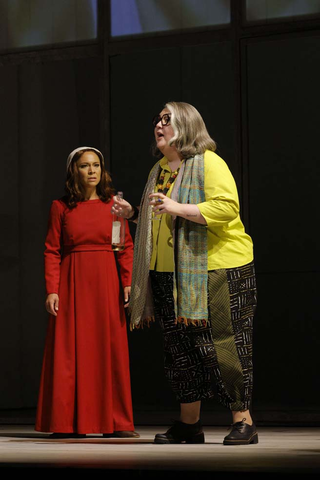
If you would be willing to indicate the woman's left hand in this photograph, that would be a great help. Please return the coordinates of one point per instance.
(162, 204)
(126, 294)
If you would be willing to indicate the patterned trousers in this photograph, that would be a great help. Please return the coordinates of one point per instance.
(220, 352)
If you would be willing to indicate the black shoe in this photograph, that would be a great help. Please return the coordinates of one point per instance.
(122, 434)
(241, 434)
(67, 435)
(182, 433)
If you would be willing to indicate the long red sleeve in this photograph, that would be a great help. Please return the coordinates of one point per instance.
(52, 254)
(125, 259)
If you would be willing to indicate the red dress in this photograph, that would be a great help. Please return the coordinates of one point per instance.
(85, 381)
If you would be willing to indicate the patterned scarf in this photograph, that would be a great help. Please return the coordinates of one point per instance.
(190, 246)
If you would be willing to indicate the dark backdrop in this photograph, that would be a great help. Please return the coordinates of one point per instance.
(258, 95)
(44, 115)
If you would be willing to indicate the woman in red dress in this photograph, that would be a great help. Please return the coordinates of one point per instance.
(85, 381)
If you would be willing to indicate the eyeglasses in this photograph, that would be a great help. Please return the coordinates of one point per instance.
(165, 119)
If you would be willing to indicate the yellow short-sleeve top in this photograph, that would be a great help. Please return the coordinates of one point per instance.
(229, 245)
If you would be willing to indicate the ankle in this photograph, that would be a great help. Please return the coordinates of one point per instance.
(189, 420)
(190, 412)
(242, 416)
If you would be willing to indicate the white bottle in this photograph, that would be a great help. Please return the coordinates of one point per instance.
(118, 229)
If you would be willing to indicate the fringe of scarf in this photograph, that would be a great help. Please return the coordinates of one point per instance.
(188, 321)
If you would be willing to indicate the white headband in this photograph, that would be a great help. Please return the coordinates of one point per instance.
(72, 154)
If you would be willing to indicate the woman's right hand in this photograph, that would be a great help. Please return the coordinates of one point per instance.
(122, 208)
(52, 303)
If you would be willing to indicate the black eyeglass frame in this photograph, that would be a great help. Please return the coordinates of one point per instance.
(165, 119)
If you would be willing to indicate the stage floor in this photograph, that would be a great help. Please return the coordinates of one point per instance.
(281, 450)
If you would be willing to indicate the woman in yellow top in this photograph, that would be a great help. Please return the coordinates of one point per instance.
(193, 272)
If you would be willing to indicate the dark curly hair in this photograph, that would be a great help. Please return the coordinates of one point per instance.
(74, 189)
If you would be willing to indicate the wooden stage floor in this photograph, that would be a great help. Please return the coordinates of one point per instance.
(281, 450)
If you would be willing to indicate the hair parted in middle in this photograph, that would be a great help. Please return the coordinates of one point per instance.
(191, 136)
(73, 188)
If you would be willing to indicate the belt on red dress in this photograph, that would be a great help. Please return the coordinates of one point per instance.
(87, 248)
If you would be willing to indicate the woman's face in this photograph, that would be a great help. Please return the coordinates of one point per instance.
(163, 134)
(89, 169)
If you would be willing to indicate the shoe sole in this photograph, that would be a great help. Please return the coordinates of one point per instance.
(252, 440)
(194, 440)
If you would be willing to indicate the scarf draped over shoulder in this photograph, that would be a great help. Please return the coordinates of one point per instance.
(190, 251)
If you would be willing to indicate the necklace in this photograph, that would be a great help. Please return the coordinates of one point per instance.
(164, 189)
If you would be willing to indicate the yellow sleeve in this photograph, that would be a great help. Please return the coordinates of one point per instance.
(222, 202)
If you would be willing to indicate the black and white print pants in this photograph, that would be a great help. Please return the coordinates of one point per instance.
(220, 352)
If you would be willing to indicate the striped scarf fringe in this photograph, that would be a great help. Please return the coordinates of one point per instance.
(188, 321)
